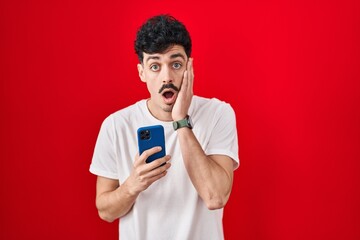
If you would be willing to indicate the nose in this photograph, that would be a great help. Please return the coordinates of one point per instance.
(166, 75)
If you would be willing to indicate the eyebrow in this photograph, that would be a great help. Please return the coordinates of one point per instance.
(152, 57)
(175, 55)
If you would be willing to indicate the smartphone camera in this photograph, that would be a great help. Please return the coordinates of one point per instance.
(145, 134)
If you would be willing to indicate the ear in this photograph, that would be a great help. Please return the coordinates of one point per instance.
(141, 72)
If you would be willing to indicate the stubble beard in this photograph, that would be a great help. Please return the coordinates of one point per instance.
(168, 108)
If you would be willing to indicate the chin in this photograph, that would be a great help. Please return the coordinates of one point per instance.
(167, 108)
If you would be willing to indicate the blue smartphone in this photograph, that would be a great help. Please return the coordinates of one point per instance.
(149, 137)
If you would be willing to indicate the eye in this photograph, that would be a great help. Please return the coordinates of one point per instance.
(177, 65)
(155, 67)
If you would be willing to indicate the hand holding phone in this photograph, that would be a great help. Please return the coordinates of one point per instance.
(144, 174)
(149, 137)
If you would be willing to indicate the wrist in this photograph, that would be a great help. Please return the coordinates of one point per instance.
(179, 117)
(185, 122)
(128, 190)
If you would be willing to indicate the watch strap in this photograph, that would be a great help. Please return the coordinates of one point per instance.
(182, 123)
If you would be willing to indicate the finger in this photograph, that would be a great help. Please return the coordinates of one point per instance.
(147, 153)
(156, 172)
(137, 161)
(158, 162)
(144, 179)
(147, 171)
(189, 63)
(156, 177)
(191, 73)
(185, 82)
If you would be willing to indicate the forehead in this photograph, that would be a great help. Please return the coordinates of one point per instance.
(175, 51)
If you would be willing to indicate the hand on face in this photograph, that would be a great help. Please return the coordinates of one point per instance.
(183, 101)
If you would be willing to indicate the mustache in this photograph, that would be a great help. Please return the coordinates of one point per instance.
(169, 85)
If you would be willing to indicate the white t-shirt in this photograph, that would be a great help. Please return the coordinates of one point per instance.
(170, 208)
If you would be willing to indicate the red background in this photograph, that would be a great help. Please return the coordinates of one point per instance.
(290, 69)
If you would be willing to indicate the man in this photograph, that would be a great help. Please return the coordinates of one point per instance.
(182, 195)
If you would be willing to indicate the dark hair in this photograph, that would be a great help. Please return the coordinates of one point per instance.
(159, 33)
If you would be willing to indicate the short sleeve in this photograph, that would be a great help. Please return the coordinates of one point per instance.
(223, 140)
(104, 157)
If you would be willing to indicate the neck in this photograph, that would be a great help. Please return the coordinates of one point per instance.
(158, 112)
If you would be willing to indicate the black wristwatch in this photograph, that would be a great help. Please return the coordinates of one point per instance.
(186, 122)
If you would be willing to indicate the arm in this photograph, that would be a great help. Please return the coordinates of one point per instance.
(114, 200)
(212, 176)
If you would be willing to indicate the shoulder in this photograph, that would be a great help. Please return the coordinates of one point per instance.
(129, 112)
(125, 115)
(211, 105)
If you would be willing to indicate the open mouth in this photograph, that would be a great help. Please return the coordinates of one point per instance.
(168, 96)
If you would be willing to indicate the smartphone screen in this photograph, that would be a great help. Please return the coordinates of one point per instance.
(149, 137)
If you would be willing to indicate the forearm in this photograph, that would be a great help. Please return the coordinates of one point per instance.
(115, 204)
(212, 182)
